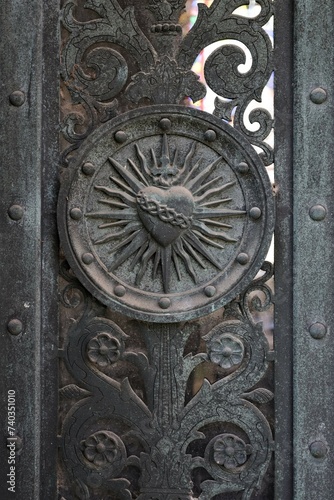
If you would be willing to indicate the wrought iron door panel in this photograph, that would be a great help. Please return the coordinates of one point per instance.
(165, 214)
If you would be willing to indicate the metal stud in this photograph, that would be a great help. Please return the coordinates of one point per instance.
(318, 95)
(15, 326)
(88, 168)
(318, 330)
(255, 213)
(120, 136)
(87, 258)
(120, 290)
(318, 449)
(17, 98)
(243, 168)
(164, 303)
(76, 213)
(242, 258)
(318, 212)
(15, 212)
(210, 291)
(165, 124)
(210, 135)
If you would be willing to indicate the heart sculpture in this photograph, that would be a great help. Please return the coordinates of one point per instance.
(165, 214)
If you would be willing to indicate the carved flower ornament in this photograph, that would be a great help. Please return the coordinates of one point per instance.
(103, 349)
(226, 350)
(100, 448)
(230, 451)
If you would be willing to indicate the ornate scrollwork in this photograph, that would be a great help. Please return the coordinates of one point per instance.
(96, 73)
(160, 432)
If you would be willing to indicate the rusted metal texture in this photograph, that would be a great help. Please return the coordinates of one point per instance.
(313, 250)
(28, 294)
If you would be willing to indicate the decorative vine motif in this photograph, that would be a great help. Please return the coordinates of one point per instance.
(95, 71)
(113, 428)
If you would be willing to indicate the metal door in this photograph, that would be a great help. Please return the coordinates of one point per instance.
(138, 362)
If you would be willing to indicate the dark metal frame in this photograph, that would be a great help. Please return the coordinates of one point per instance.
(304, 288)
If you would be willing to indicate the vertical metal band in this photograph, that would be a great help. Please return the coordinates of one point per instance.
(28, 123)
(313, 250)
(283, 249)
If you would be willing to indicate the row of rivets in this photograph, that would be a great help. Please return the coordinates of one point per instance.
(15, 212)
(318, 449)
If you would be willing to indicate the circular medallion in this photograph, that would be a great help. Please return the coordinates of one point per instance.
(167, 217)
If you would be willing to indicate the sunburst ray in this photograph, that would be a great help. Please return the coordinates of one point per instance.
(121, 215)
(114, 224)
(216, 223)
(166, 254)
(114, 203)
(138, 172)
(196, 243)
(185, 257)
(137, 240)
(214, 234)
(122, 185)
(130, 228)
(130, 200)
(193, 253)
(176, 263)
(150, 251)
(157, 258)
(134, 183)
(209, 242)
(203, 213)
(193, 184)
(215, 202)
(138, 255)
(212, 192)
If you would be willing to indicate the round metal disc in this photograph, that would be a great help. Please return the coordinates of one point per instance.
(167, 213)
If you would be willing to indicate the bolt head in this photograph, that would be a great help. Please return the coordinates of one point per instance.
(165, 124)
(318, 95)
(120, 291)
(210, 135)
(242, 258)
(318, 330)
(210, 291)
(318, 212)
(120, 136)
(75, 213)
(255, 213)
(318, 449)
(88, 168)
(164, 303)
(243, 168)
(17, 98)
(87, 258)
(15, 212)
(15, 326)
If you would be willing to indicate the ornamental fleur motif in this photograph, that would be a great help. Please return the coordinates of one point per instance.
(100, 448)
(226, 350)
(230, 451)
(103, 349)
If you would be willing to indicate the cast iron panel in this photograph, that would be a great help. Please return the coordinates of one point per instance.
(167, 213)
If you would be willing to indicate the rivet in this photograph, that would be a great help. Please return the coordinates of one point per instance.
(120, 290)
(88, 168)
(318, 330)
(120, 136)
(318, 212)
(15, 327)
(87, 258)
(318, 95)
(255, 213)
(210, 291)
(243, 168)
(164, 303)
(15, 212)
(17, 98)
(210, 135)
(165, 27)
(76, 213)
(242, 258)
(165, 123)
(318, 449)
